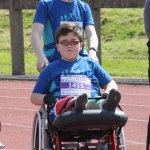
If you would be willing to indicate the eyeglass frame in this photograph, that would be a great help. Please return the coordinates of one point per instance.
(69, 42)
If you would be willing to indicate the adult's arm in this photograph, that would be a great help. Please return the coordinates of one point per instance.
(147, 29)
(92, 40)
(36, 34)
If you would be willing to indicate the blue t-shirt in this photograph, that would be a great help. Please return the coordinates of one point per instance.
(52, 13)
(49, 79)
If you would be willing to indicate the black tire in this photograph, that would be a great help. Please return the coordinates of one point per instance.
(40, 136)
(36, 140)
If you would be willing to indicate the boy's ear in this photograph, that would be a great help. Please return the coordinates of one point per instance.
(81, 44)
(57, 45)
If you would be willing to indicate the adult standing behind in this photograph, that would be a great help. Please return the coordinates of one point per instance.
(50, 14)
(147, 29)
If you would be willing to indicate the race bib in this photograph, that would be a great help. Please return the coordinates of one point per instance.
(74, 85)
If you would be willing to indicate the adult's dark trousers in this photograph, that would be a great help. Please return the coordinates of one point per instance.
(148, 44)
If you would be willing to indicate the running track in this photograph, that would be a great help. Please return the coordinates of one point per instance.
(16, 114)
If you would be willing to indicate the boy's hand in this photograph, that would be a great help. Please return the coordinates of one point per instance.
(49, 100)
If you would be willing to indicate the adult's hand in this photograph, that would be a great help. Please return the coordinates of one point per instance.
(42, 63)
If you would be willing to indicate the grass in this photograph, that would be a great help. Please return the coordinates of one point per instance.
(123, 43)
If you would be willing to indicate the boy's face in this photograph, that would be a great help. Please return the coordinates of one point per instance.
(69, 47)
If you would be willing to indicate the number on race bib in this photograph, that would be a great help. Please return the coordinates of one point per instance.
(76, 85)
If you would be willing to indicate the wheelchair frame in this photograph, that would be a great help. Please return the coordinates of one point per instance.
(42, 140)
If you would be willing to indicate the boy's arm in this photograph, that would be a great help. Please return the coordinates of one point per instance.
(37, 99)
(111, 85)
(92, 40)
(36, 35)
(41, 99)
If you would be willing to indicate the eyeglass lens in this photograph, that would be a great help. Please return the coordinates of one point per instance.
(66, 43)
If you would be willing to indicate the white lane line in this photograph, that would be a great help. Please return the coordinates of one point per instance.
(22, 88)
(133, 142)
(17, 109)
(16, 125)
(128, 142)
(28, 97)
(136, 94)
(135, 105)
(138, 120)
(30, 127)
(14, 88)
(32, 110)
(14, 97)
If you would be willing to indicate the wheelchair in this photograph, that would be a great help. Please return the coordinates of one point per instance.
(79, 130)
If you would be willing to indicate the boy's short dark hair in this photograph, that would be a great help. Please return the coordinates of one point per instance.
(66, 28)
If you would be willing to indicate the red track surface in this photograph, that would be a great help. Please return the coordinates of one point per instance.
(16, 114)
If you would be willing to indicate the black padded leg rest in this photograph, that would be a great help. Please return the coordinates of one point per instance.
(90, 119)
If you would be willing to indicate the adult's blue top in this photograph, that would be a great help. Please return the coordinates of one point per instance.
(52, 13)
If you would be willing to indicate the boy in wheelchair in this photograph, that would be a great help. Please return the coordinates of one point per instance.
(74, 82)
(51, 86)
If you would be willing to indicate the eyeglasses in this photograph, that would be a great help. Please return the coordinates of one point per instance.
(66, 43)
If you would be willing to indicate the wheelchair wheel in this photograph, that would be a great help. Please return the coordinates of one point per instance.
(148, 136)
(39, 139)
(120, 139)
